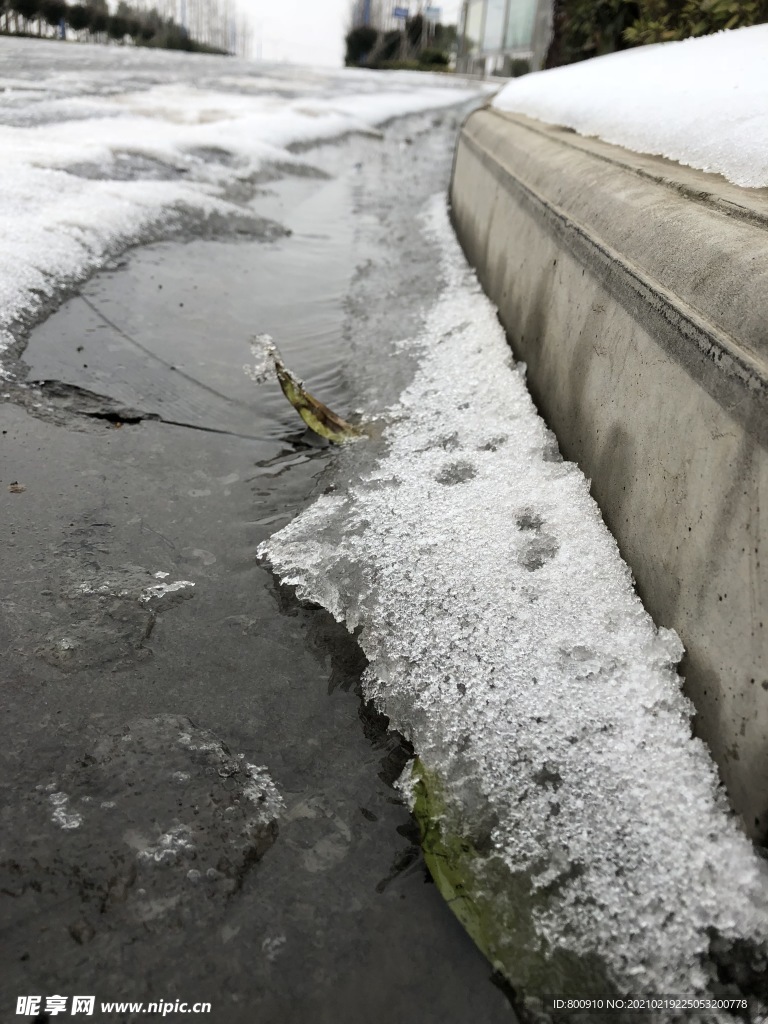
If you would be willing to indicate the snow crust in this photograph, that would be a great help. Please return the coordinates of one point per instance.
(506, 641)
(702, 101)
(107, 153)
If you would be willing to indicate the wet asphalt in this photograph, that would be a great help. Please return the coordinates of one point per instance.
(197, 803)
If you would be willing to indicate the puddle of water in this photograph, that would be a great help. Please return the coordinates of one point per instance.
(175, 315)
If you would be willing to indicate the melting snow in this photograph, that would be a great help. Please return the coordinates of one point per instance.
(129, 582)
(169, 846)
(506, 641)
(263, 350)
(61, 816)
(110, 152)
(702, 102)
(159, 590)
(262, 791)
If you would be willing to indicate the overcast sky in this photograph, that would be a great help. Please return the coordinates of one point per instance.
(310, 31)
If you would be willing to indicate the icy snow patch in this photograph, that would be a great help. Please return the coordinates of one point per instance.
(262, 791)
(702, 102)
(61, 816)
(129, 582)
(506, 641)
(169, 846)
(263, 350)
(159, 590)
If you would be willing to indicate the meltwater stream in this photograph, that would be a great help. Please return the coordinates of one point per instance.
(200, 801)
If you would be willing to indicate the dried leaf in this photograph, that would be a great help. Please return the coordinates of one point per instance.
(318, 417)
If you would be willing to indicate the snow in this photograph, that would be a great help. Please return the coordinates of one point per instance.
(159, 590)
(61, 816)
(130, 582)
(102, 152)
(170, 846)
(507, 643)
(262, 791)
(702, 102)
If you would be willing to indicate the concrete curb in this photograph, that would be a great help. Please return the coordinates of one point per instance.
(636, 291)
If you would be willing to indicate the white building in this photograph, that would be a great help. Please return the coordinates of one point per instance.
(504, 36)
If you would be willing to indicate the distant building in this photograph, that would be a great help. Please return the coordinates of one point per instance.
(504, 37)
(362, 14)
(379, 14)
(386, 15)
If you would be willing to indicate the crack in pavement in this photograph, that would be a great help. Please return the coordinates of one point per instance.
(71, 398)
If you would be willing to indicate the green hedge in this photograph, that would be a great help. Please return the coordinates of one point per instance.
(588, 28)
